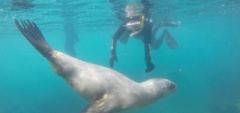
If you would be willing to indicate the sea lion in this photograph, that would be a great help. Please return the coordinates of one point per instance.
(108, 91)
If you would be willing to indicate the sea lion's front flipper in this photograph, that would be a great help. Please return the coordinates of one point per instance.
(32, 33)
(103, 105)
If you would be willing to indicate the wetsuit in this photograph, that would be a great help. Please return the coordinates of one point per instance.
(146, 33)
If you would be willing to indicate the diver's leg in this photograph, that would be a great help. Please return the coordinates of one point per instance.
(150, 65)
(71, 37)
(170, 24)
(171, 42)
(156, 43)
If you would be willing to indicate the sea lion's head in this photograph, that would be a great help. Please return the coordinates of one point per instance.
(159, 87)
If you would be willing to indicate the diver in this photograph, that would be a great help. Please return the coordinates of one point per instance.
(138, 24)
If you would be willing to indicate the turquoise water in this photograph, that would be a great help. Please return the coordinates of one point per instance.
(205, 67)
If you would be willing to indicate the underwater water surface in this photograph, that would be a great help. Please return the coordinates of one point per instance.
(205, 67)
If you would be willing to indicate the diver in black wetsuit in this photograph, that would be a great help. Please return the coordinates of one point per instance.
(139, 22)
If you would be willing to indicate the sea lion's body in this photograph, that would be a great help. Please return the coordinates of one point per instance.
(107, 90)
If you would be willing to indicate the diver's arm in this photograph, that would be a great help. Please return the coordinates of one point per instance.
(149, 64)
(118, 33)
(147, 47)
(147, 34)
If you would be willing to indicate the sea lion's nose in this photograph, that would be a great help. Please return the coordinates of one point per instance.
(172, 86)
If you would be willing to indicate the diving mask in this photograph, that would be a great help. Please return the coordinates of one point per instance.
(135, 24)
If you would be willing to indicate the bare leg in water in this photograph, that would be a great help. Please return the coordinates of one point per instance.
(71, 39)
(71, 36)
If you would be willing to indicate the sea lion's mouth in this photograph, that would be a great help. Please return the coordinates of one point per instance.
(172, 86)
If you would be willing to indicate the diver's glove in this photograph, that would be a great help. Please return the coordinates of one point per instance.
(150, 67)
(112, 59)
